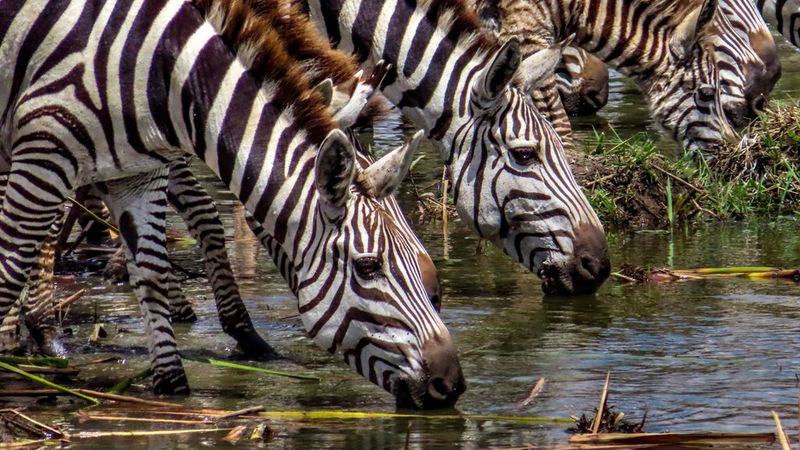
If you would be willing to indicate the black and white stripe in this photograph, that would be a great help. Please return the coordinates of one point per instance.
(111, 92)
(511, 180)
(667, 47)
(784, 15)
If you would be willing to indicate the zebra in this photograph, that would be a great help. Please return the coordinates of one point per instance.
(582, 82)
(582, 79)
(784, 16)
(672, 49)
(511, 180)
(347, 91)
(111, 92)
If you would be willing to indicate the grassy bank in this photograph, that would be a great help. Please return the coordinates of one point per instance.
(631, 184)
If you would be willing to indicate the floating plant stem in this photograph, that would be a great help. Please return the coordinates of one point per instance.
(47, 383)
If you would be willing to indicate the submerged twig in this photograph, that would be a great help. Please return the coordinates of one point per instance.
(97, 434)
(241, 412)
(639, 440)
(537, 388)
(41, 362)
(97, 394)
(47, 383)
(784, 441)
(83, 417)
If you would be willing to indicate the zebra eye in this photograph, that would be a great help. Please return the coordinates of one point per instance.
(524, 156)
(368, 267)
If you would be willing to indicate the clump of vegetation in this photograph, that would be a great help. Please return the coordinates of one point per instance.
(630, 183)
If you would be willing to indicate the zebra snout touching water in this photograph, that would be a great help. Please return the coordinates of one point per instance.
(99, 92)
(511, 180)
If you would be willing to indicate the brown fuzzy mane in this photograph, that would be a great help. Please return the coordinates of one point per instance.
(305, 43)
(261, 49)
(465, 20)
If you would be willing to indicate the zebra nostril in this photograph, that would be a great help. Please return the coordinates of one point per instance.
(759, 103)
(440, 388)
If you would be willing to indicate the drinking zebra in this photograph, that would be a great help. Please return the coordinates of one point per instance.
(511, 180)
(680, 53)
(583, 76)
(346, 88)
(111, 92)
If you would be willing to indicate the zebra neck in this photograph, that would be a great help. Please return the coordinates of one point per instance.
(432, 62)
(256, 146)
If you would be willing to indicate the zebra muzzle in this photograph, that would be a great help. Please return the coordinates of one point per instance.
(442, 383)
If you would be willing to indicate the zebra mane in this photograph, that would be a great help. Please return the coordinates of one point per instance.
(304, 42)
(464, 25)
(262, 50)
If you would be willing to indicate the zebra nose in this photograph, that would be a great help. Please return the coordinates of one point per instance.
(586, 271)
(591, 263)
(445, 378)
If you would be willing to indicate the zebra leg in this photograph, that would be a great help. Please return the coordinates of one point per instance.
(36, 189)
(139, 204)
(180, 308)
(200, 212)
(9, 326)
(40, 314)
(10, 330)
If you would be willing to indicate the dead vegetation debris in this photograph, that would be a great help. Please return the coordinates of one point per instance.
(632, 184)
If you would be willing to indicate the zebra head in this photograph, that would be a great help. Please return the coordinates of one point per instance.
(746, 19)
(582, 81)
(367, 288)
(512, 180)
(706, 55)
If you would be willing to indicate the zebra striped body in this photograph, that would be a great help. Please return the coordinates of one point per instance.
(581, 76)
(348, 94)
(511, 180)
(111, 92)
(672, 49)
(784, 15)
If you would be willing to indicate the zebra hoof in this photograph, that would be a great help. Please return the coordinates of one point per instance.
(116, 271)
(49, 344)
(185, 315)
(10, 344)
(171, 383)
(253, 346)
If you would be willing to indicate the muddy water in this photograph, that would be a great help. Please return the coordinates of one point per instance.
(707, 356)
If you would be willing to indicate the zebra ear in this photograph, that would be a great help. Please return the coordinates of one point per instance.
(539, 66)
(500, 72)
(334, 169)
(384, 176)
(325, 89)
(688, 32)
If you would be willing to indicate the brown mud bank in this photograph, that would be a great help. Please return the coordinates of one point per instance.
(632, 184)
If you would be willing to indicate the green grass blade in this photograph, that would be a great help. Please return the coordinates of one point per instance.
(123, 385)
(670, 212)
(231, 365)
(47, 383)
